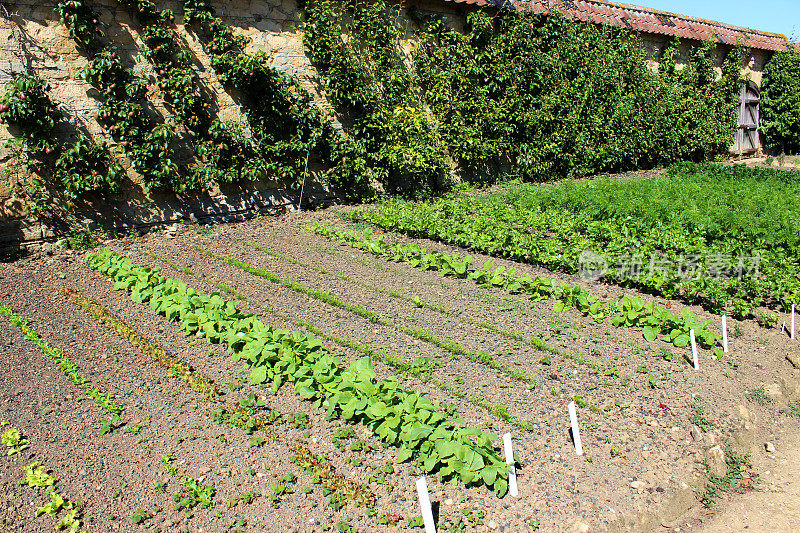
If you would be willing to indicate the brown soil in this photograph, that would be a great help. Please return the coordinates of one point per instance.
(641, 468)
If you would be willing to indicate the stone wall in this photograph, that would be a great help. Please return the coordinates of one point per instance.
(33, 39)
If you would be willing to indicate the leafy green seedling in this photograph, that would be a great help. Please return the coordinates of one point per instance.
(36, 477)
(107, 426)
(300, 420)
(70, 522)
(249, 497)
(56, 504)
(15, 442)
(139, 516)
(345, 433)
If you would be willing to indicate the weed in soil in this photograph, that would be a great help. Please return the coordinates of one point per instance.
(733, 480)
(698, 417)
(758, 396)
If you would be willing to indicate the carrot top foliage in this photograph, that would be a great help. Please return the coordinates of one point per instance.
(737, 226)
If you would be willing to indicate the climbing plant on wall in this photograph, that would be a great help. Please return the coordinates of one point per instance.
(73, 168)
(224, 153)
(287, 128)
(147, 143)
(780, 103)
(560, 98)
(366, 77)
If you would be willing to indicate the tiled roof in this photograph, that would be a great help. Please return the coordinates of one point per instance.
(647, 20)
(483, 3)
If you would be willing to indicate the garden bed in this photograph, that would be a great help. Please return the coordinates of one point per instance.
(505, 362)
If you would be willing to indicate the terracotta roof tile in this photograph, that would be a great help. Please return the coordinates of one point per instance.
(647, 20)
(479, 3)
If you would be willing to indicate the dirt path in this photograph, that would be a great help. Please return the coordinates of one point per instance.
(776, 508)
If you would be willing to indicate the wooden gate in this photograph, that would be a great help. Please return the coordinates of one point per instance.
(747, 139)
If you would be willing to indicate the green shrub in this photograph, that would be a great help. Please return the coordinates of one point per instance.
(780, 103)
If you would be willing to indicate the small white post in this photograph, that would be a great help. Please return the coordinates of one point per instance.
(576, 434)
(792, 326)
(724, 334)
(694, 350)
(425, 504)
(512, 472)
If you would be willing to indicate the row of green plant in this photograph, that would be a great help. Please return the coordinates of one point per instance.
(780, 102)
(37, 478)
(515, 93)
(425, 335)
(654, 319)
(397, 416)
(73, 167)
(722, 236)
(250, 414)
(102, 399)
(421, 367)
(416, 301)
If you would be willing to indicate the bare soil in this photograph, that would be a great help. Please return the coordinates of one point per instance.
(643, 463)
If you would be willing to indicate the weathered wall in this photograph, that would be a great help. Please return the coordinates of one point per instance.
(34, 39)
(753, 68)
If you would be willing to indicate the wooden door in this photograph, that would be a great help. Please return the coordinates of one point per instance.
(747, 139)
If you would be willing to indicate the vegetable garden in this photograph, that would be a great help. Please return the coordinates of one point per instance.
(300, 373)
(304, 372)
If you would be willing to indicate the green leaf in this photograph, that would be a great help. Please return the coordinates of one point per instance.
(501, 486)
(258, 375)
(682, 340)
(404, 455)
(489, 475)
(650, 333)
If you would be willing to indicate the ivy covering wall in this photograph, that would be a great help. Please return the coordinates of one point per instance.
(780, 103)
(531, 96)
(421, 103)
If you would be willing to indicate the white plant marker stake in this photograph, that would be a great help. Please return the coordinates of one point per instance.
(792, 330)
(425, 504)
(576, 434)
(694, 350)
(724, 334)
(512, 472)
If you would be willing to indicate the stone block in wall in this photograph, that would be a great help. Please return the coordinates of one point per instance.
(269, 26)
(19, 231)
(259, 9)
